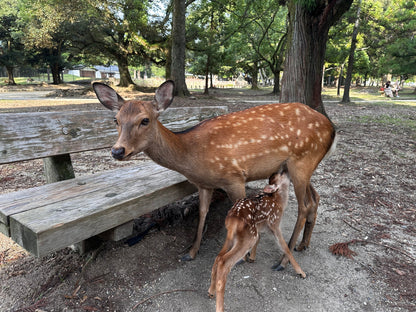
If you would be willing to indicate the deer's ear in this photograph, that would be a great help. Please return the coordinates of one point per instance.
(164, 95)
(108, 96)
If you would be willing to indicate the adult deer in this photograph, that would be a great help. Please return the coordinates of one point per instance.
(228, 151)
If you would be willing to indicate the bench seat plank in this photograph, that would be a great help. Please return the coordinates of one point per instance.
(77, 212)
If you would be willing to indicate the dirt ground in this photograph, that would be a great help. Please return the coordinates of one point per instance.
(367, 202)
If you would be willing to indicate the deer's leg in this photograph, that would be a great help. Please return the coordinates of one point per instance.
(282, 243)
(312, 198)
(300, 183)
(236, 191)
(244, 242)
(205, 196)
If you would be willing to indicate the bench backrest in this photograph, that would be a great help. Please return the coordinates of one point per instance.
(26, 136)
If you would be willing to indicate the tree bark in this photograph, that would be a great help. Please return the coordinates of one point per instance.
(276, 87)
(123, 67)
(308, 34)
(347, 85)
(55, 73)
(10, 76)
(178, 48)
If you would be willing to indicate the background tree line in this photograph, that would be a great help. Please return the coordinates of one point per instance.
(303, 39)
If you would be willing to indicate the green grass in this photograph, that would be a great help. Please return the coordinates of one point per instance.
(389, 120)
(42, 78)
(371, 94)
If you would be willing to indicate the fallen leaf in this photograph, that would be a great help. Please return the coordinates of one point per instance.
(400, 272)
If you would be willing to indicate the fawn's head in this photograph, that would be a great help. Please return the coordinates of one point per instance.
(278, 181)
(136, 120)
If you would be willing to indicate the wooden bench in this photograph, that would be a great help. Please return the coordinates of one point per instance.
(56, 215)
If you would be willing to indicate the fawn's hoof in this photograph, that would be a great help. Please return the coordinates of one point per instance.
(302, 274)
(241, 261)
(211, 296)
(278, 267)
(187, 257)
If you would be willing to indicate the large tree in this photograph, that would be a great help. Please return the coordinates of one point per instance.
(11, 47)
(309, 23)
(351, 59)
(178, 48)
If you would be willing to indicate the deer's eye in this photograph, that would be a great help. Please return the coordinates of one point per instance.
(145, 122)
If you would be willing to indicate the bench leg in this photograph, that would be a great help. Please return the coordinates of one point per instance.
(87, 245)
(118, 233)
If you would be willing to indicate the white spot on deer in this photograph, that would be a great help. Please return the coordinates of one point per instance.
(298, 132)
(310, 125)
(297, 112)
(317, 124)
(281, 113)
(284, 148)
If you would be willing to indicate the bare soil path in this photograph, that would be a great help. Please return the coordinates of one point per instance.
(368, 199)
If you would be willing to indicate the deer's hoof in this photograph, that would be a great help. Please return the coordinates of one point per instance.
(278, 267)
(211, 296)
(187, 257)
(301, 247)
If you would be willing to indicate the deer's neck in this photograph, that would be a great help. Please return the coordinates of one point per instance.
(170, 150)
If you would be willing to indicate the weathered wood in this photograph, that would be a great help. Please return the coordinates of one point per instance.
(59, 222)
(25, 136)
(58, 168)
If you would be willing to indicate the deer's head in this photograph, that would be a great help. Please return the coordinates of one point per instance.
(136, 120)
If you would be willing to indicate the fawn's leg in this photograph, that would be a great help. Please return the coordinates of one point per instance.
(226, 262)
(282, 243)
(227, 246)
(251, 257)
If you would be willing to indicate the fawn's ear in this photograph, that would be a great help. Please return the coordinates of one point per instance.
(164, 95)
(270, 188)
(108, 96)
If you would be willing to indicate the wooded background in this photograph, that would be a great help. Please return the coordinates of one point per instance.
(300, 42)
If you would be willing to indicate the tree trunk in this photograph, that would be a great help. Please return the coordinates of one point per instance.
(347, 85)
(254, 76)
(10, 76)
(276, 87)
(55, 73)
(308, 34)
(123, 67)
(178, 48)
(206, 91)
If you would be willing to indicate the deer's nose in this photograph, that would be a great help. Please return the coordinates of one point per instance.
(118, 153)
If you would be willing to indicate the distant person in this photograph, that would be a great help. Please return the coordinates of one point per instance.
(396, 89)
(387, 89)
